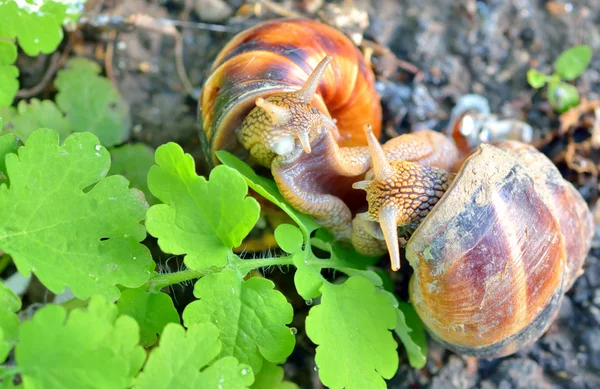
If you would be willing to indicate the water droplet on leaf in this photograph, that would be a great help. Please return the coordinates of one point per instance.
(293, 330)
(244, 371)
(316, 368)
(98, 147)
(309, 302)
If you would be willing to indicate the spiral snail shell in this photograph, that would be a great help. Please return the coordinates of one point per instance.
(276, 57)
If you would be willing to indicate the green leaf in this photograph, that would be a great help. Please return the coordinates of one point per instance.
(182, 360)
(351, 327)
(8, 53)
(307, 279)
(8, 145)
(411, 331)
(562, 96)
(90, 348)
(64, 220)
(200, 218)
(133, 161)
(250, 315)
(152, 311)
(92, 103)
(9, 85)
(268, 189)
(573, 61)
(38, 114)
(343, 255)
(9, 322)
(271, 377)
(536, 79)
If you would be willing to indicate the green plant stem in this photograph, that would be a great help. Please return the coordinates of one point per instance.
(5, 260)
(243, 266)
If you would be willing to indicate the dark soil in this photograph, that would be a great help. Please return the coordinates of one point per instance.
(483, 47)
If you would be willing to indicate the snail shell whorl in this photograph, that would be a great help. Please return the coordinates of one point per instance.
(278, 56)
(490, 266)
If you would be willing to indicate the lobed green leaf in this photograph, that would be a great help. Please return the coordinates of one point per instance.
(183, 360)
(37, 114)
(92, 103)
(63, 219)
(9, 322)
(271, 377)
(200, 218)
(411, 332)
(152, 311)
(573, 61)
(351, 327)
(133, 161)
(8, 145)
(251, 316)
(307, 279)
(89, 348)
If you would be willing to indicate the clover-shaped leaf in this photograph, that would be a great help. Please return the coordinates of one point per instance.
(189, 360)
(200, 218)
(89, 348)
(252, 317)
(37, 114)
(64, 220)
(152, 311)
(351, 327)
(92, 103)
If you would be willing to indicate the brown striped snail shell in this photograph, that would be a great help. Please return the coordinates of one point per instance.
(277, 57)
(494, 256)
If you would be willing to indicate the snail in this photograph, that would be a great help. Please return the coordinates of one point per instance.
(497, 236)
(500, 242)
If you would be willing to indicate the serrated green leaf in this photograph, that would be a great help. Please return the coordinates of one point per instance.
(9, 322)
(536, 79)
(133, 161)
(200, 218)
(268, 189)
(89, 348)
(152, 311)
(64, 220)
(8, 145)
(562, 96)
(271, 377)
(307, 279)
(38, 114)
(91, 102)
(182, 361)
(573, 61)
(352, 328)
(411, 331)
(9, 84)
(251, 316)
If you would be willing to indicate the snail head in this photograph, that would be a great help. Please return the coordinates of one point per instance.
(280, 120)
(400, 194)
